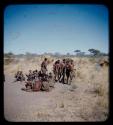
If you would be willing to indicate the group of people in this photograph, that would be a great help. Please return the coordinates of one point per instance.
(62, 70)
(32, 75)
(38, 81)
(19, 76)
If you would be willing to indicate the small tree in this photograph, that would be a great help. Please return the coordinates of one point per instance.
(94, 52)
(77, 51)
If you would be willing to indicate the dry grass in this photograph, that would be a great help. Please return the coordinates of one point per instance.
(86, 99)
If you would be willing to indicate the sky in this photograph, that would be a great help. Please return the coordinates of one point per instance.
(63, 28)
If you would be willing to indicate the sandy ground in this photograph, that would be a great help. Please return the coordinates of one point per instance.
(74, 102)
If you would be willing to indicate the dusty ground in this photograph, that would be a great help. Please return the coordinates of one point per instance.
(85, 100)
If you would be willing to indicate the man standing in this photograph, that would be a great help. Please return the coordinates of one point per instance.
(44, 66)
(62, 72)
(56, 70)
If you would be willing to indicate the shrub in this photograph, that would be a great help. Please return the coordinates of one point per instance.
(8, 61)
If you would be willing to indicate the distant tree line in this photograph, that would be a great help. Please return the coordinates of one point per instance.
(93, 52)
(79, 53)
